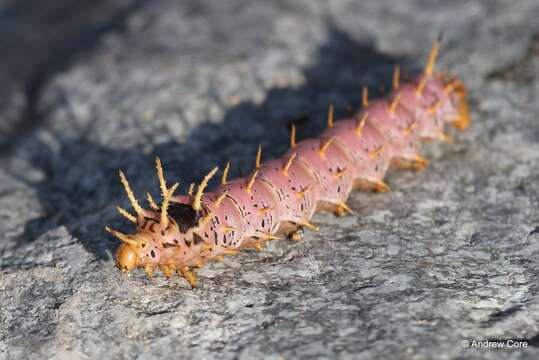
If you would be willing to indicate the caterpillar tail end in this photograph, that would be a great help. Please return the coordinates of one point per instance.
(462, 122)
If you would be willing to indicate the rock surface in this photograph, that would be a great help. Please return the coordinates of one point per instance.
(451, 254)
(39, 41)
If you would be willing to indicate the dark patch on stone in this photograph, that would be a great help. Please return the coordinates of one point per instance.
(504, 314)
(533, 232)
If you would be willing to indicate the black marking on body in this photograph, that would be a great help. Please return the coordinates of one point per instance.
(184, 215)
(152, 223)
(168, 245)
(238, 206)
(197, 239)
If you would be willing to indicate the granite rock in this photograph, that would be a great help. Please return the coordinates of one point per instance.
(450, 254)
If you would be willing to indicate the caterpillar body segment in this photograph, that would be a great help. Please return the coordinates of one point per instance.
(280, 196)
(367, 146)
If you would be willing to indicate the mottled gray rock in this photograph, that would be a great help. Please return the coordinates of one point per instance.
(450, 254)
(38, 41)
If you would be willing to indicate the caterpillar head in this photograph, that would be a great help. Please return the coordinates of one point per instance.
(164, 235)
(137, 249)
(127, 258)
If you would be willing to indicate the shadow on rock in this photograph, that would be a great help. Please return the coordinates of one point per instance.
(43, 41)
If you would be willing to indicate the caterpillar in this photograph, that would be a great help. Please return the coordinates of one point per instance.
(279, 197)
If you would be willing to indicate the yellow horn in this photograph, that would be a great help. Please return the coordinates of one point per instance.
(361, 123)
(258, 157)
(396, 77)
(365, 97)
(293, 136)
(151, 201)
(164, 205)
(330, 116)
(197, 202)
(138, 209)
(429, 68)
(126, 214)
(220, 199)
(394, 104)
(123, 237)
(421, 86)
(289, 163)
(325, 145)
(251, 181)
(225, 173)
(161, 176)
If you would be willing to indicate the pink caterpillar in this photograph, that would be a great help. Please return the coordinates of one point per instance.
(280, 196)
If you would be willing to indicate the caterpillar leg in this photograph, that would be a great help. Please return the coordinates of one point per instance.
(189, 275)
(259, 246)
(417, 163)
(375, 185)
(232, 252)
(254, 243)
(167, 270)
(309, 226)
(381, 186)
(149, 271)
(342, 210)
(443, 137)
(296, 234)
